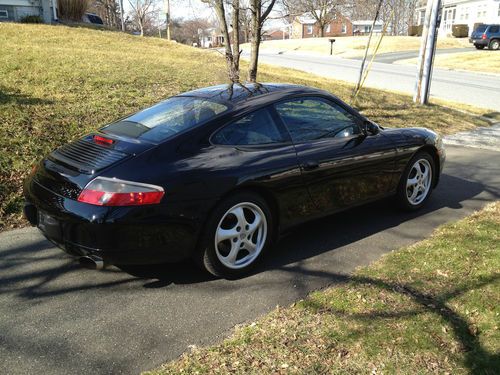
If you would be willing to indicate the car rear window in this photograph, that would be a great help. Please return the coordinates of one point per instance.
(167, 118)
(481, 29)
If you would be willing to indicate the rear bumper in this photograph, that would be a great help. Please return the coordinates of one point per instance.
(479, 42)
(119, 235)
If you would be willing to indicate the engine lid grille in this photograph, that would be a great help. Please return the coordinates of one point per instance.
(86, 156)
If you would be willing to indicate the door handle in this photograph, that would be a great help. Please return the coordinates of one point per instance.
(310, 165)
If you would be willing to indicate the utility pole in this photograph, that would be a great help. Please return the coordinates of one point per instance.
(427, 52)
(121, 15)
(166, 6)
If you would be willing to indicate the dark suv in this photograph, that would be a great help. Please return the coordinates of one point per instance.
(486, 35)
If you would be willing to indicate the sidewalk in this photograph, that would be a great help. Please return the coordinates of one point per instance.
(487, 138)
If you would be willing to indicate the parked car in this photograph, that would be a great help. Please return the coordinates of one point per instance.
(216, 174)
(93, 19)
(486, 36)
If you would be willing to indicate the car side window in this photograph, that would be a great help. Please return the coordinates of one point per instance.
(493, 29)
(257, 128)
(314, 118)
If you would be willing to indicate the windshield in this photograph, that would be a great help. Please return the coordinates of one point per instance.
(481, 29)
(167, 118)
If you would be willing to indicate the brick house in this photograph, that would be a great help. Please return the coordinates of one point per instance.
(276, 34)
(306, 26)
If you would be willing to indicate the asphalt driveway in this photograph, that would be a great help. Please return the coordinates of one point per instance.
(58, 318)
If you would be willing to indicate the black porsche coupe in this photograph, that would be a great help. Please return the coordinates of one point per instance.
(216, 174)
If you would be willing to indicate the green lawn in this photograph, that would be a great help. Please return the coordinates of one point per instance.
(431, 308)
(57, 83)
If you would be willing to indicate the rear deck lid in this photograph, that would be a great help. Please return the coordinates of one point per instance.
(96, 152)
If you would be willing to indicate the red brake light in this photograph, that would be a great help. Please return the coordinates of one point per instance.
(102, 140)
(484, 36)
(103, 191)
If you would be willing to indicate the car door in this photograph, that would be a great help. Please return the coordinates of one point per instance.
(262, 155)
(341, 166)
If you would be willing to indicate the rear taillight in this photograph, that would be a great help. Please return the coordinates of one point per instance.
(103, 191)
(484, 36)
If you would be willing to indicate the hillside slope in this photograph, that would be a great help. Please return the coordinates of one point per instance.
(57, 83)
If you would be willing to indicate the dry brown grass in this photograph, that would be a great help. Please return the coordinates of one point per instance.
(57, 83)
(477, 61)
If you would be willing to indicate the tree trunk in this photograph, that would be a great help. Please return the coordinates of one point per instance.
(322, 30)
(234, 76)
(235, 67)
(255, 8)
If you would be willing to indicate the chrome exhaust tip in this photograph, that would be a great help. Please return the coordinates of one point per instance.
(91, 262)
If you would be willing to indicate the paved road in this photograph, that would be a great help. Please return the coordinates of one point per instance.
(476, 89)
(56, 318)
(391, 57)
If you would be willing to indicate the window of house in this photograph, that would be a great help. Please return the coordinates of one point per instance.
(368, 28)
(309, 29)
(499, 10)
(422, 17)
(257, 128)
(4, 13)
(314, 118)
(328, 28)
(344, 28)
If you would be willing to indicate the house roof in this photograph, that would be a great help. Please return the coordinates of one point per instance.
(306, 19)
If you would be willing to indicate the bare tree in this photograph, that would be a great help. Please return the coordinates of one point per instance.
(323, 11)
(400, 13)
(142, 13)
(231, 45)
(108, 10)
(188, 31)
(259, 10)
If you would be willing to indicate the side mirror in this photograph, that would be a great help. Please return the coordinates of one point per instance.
(371, 128)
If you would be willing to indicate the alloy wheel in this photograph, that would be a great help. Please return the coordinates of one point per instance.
(240, 235)
(419, 182)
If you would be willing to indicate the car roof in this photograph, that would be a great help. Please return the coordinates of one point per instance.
(244, 92)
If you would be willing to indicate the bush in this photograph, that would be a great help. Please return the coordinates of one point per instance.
(460, 31)
(413, 30)
(72, 9)
(31, 19)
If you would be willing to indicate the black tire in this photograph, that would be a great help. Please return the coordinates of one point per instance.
(479, 46)
(206, 254)
(402, 192)
(494, 44)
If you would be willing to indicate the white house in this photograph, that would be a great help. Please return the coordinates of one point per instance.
(15, 10)
(362, 27)
(463, 12)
